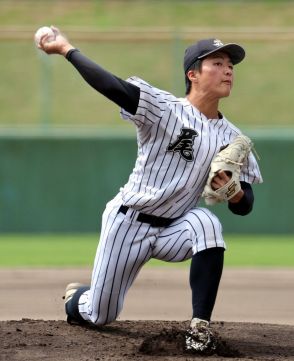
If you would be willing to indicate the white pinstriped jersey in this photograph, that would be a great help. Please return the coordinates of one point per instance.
(176, 144)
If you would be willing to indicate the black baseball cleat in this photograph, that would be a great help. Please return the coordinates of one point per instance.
(73, 292)
(199, 338)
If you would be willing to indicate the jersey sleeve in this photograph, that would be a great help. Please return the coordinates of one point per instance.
(150, 107)
(250, 171)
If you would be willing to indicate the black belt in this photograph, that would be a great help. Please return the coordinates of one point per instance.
(148, 218)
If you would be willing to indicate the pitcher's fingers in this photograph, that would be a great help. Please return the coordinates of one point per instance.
(223, 175)
(56, 31)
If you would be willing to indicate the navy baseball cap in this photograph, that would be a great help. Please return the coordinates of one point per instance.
(209, 46)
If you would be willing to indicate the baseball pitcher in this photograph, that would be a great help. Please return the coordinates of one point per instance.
(187, 149)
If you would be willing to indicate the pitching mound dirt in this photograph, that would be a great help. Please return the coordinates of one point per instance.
(30, 340)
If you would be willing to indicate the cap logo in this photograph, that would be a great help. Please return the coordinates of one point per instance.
(217, 43)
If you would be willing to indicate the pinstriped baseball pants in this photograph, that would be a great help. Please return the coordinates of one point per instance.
(126, 245)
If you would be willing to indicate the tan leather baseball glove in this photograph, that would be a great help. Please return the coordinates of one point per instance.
(230, 160)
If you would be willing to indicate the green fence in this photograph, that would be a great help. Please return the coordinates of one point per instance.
(61, 183)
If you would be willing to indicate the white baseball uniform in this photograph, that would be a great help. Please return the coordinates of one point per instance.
(176, 144)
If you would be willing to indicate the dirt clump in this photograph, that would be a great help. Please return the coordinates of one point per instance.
(31, 340)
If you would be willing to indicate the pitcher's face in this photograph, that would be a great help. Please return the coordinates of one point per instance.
(216, 76)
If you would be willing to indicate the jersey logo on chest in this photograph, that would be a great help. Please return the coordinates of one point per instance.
(184, 144)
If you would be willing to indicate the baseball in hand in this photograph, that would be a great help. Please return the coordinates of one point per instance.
(44, 30)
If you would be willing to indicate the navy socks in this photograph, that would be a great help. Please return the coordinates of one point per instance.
(205, 274)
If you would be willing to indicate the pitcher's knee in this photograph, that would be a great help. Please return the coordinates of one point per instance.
(107, 311)
(213, 222)
(102, 319)
(209, 230)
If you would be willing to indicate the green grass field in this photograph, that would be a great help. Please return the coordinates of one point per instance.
(79, 250)
(35, 89)
(108, 13)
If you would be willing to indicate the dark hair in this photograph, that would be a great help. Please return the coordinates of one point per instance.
(194, 66)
